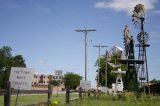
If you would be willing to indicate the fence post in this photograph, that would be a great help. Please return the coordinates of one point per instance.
(89, 93)
(49, 93)
(7, 96)
(67, 94)
(80, 92)
(94, 93)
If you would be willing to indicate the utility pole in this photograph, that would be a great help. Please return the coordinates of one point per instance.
(107, 56)
(99, 49)
(85, 31)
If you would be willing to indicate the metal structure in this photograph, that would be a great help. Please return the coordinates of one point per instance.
(116, 50)
(131, 80)
(142, 37)
(119, 81)
(99, 50)
(85, 31)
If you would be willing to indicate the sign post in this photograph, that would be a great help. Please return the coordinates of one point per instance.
(17, 98)
(21, 79)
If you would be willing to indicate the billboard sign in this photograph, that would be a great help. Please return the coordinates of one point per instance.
(21, 78)
(86, 85)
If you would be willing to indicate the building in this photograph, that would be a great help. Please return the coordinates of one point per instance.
(58, 75)
(41, 79)
(153, 88)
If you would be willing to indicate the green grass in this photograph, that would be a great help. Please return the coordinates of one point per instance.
(127, 99)
(97, 102)
(30, 99)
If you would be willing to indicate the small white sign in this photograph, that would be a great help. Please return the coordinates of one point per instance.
(86, 85)
(119, 87)
(104, 89)
(21, 78)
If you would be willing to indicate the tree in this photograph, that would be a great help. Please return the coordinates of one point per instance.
(55, 82)
(72, 80)
(102, 70)
(154, 81)
(110, 76)
(6, 51)
(18, 61)
(6, 62)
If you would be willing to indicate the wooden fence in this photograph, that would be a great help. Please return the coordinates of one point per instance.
(8, 92)
(89, 93)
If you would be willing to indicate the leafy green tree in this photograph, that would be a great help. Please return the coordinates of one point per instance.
(5, 51)
(55, 82)
(18, 61)
(154, 81)
(111, 78)
(72, 80)
(6, 62)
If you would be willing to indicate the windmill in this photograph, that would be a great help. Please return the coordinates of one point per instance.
(131, 81)
(142, 38)
(127, 40)
(119, 81)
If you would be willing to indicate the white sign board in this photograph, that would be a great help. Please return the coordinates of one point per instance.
(104, 89)
(21, 78)
(118, 88)
(86, 85)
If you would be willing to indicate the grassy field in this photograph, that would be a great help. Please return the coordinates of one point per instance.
(25, 99)
(95, 102)
(31, 99)
(127, 99)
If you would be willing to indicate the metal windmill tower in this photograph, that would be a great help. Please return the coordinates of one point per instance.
(142, 37)
(131, 80)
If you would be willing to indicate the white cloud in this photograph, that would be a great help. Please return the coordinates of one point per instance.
(125, 5)
(41, 61)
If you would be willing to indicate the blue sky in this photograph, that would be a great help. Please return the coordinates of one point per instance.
(43, 31)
